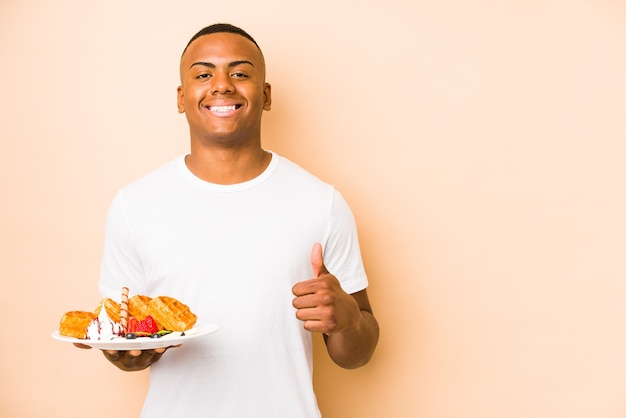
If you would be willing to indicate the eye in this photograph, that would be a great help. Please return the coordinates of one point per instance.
(239, 75)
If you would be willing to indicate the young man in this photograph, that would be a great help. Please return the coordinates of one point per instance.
(249, 240)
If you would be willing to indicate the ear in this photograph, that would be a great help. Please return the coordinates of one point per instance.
(180, 99)
(267, 96)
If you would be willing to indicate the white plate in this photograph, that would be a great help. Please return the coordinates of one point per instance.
(143, 343)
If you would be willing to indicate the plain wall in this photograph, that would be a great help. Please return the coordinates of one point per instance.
(480, 145)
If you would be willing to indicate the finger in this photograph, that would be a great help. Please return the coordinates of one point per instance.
(314, 326)
(317, 261)
(308, 314)
(306, 300)
(317, 325)
(112, 355)
(170, 346)
(79, 345)
(164, 349)
(308, 287)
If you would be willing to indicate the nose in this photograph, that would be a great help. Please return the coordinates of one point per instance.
(222, 83)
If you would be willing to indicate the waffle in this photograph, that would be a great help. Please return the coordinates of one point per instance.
(171, 314)
(168, 313)
(112, 308)
(138, 306)
(75, 323)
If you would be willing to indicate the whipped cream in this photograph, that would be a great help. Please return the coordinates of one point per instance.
(103, 328)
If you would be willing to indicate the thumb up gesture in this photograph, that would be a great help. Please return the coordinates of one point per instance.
(321, 303)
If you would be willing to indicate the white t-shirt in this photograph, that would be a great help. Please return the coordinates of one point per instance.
(232, 253)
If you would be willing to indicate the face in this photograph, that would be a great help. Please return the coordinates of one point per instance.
(223, 90)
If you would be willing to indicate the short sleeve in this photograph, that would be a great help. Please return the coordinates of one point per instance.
(121, 264)
(342, 253)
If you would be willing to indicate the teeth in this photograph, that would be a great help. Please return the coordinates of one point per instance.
(222, 108)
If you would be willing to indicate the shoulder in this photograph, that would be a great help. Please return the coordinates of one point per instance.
(292, 173)
(155, 189)
(157, 180)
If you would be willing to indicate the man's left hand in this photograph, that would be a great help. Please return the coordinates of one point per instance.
(321, 303)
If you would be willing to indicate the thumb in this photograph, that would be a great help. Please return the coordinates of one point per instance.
(317, 261)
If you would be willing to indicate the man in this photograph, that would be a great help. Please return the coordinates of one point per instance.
(249, 240)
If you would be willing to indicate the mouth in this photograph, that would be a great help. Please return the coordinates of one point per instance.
(224, 109)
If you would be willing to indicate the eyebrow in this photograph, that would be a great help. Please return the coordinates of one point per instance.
(230, 65)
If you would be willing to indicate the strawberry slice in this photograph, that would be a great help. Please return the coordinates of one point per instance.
(132, 324)
(147, 325)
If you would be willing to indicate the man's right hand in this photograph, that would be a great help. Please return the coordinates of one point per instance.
(132, 360)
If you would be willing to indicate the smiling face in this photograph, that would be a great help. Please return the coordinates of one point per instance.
(223, 90)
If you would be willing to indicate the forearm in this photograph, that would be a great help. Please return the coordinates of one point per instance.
(354, 346)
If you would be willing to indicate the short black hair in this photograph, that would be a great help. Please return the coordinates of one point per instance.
(221, 28)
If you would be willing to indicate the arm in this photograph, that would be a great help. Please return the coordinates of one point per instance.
(122, 267)
(354, 345)
(349, 326)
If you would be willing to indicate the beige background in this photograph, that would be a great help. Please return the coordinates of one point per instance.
(480, 144)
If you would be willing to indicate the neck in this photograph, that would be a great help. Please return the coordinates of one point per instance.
(227, 166)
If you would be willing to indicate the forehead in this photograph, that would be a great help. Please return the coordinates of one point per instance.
(222, 48)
